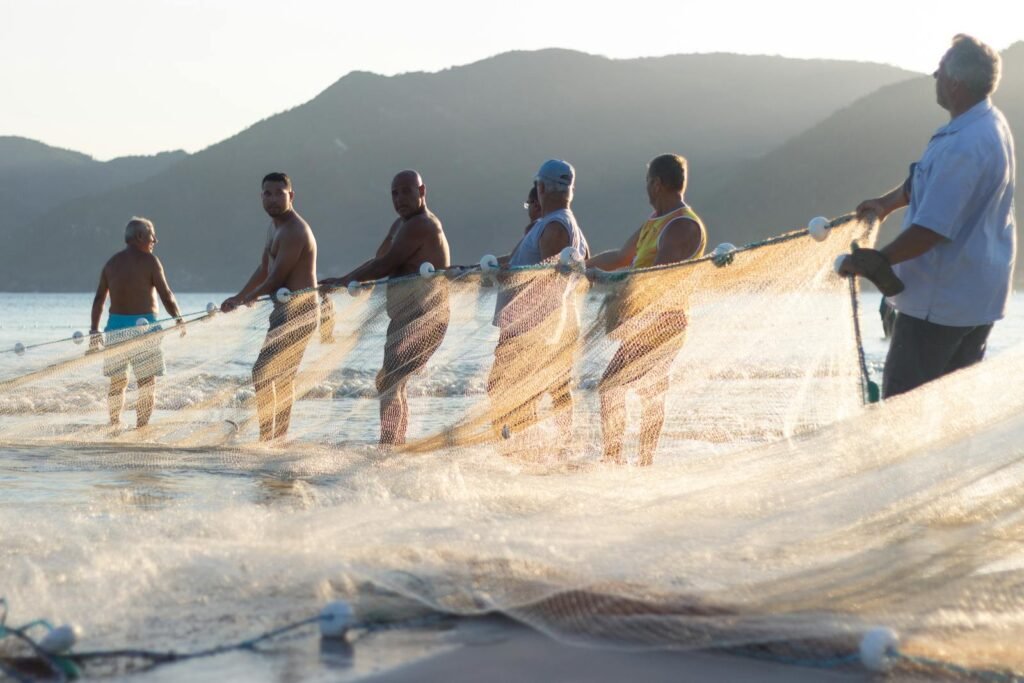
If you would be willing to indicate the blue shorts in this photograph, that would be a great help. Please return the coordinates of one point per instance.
(144, 356)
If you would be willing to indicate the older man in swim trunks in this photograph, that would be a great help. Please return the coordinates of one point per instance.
(289, 260)
(651, 332)
(418, 308)
(131, 277)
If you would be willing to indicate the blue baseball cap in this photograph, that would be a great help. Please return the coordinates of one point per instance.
(557, 174)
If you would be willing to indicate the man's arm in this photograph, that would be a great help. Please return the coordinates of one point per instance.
(503, 260)
(258, 276)
(911, 243)
(290, 246)
(97, 309)
(896, 198)
(384, 247)
(877, 265)
(553, 239)
(97, 301)
(165, 293)
(679, 241)
(403, 246)
(615, 259)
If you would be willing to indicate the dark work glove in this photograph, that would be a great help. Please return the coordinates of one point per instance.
(874, 265)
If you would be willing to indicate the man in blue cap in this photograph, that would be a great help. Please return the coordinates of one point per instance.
(536, 312)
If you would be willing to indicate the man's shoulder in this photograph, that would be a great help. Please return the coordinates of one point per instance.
(297, 227)
(426, 223)
(684, 222)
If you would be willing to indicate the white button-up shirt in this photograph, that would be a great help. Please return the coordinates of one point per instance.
(962, 189)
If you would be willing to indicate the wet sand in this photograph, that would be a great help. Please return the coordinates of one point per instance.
(500, 651)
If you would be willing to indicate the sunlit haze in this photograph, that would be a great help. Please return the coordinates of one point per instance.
(121, 77)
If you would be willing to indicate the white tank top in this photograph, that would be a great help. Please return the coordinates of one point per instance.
(527, 253)
(546, 293)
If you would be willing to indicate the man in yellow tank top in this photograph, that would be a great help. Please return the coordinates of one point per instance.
(649, 321)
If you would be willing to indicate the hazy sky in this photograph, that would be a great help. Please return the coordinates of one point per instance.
(117, 77)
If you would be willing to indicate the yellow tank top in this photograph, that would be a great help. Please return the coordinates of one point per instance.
(650, 233)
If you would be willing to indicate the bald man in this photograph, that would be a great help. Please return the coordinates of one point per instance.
(418, 308)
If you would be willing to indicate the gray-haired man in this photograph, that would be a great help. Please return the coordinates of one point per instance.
(131, 277)
(956, 251)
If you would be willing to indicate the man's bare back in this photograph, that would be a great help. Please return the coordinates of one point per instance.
(131, 278)
(134, 277)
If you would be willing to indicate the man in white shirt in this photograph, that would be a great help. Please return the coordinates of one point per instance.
(955, 254)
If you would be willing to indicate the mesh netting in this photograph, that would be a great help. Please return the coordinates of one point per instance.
(781, 513)
(748, 352)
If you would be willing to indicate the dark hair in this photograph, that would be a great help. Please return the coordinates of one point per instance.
(670, 169)
(532, 197)
(277, 177)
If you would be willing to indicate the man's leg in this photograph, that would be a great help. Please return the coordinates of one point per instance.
(286, 365)
(971, 349)
(144, 401)
(922, 351)
(408, 348)
(652, 418)
(115, 397)
(612, 391)
(394, 414)
(147, 364)
(562, 405)
(391, 382)
(284, 397)
(263, 383)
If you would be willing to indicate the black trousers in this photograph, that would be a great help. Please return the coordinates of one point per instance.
(921, 351)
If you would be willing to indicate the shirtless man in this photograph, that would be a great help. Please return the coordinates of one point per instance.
(131, 277)
(418, 308)
(651, 334)
(289, 260)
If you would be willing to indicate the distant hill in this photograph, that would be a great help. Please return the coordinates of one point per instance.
(35, 177)
(859, 152)
(477, 133)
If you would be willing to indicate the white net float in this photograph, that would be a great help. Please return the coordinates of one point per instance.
(570, 257)
(19, 349)
(141, 322)
(78, 337)
(723, 254)
(354, 288)
(335, 619)
(426, 269)
(489, 263)
(879, 649)
(839, 262)
(283, 295)
(818, 227)
(59, 640)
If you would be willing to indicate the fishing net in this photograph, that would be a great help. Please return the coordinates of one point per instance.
(783, 516)
(755, 349)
